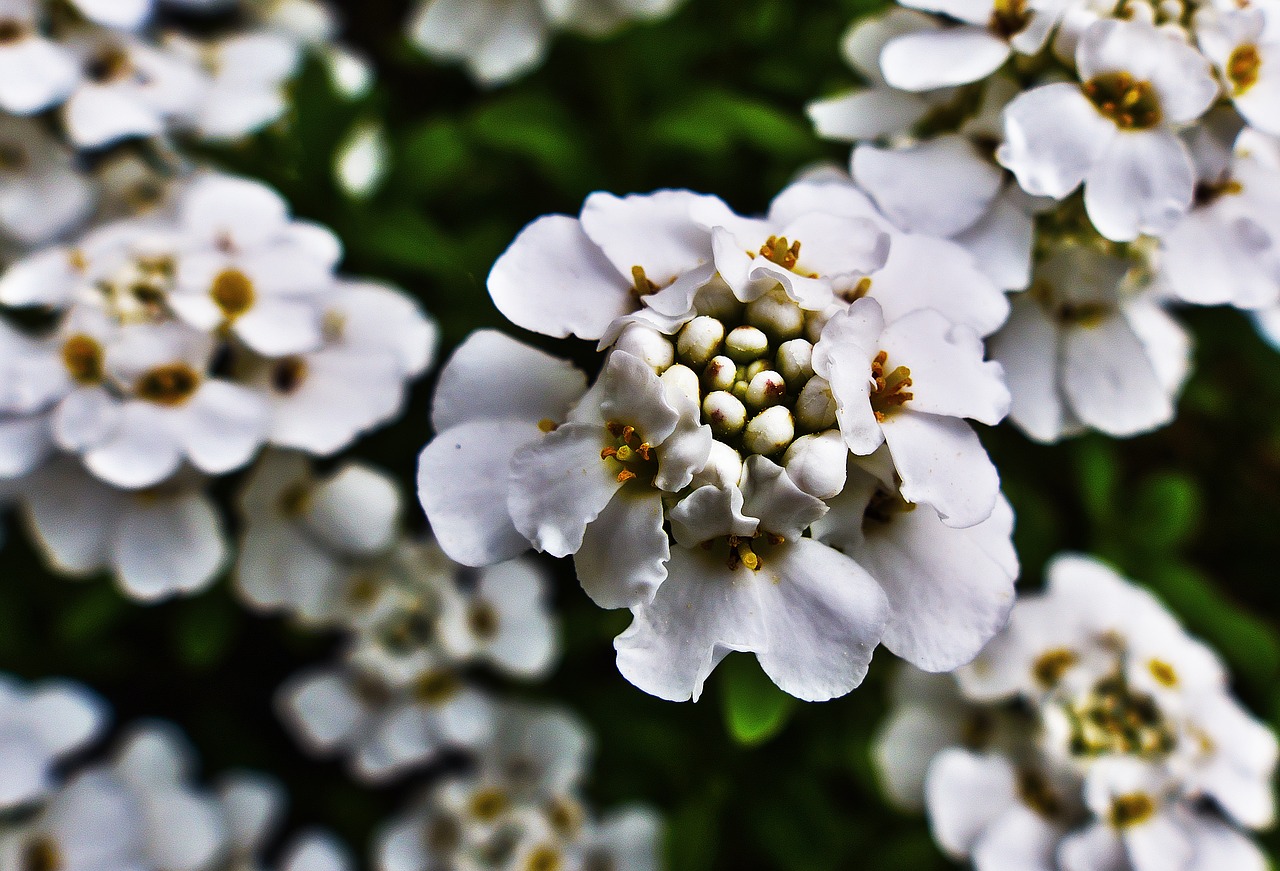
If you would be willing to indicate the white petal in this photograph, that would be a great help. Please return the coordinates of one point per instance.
(168, 547)
(47, 278)
(254, 806)
(141, 452)
(943, 464)
(1053, 138)
(322, 710)
(124, 14)
(24, 444)
(99, 115)
(555, 281)
(65, 716)
(1218, 845)
(526, 641)
(1142, 183)
(355, 510)
(72, 516)
(965, 793)
(653, 231)
(1020, 840)
(1001, 242)
(559, 485)
(771, 496)
(247, 212)
(823, 616)
(924, 272)
(1027, 349)
(228, 424)
(930, 60)
(700, 613)
(377, 316)
(867, 114)
(463, 480)
(909, 740)
(35, 74)
(939, 187)
(317, 851)
(1110, 381)
(624, 551)
(278, 326)
(948, 374)
(184, 829)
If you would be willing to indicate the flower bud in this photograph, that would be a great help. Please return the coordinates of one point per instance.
(723, 468)
(648, 344)
(777, 315)
(716, 299)
(770, 431)
(1172, 10)
(725, 412)
(816, 407)
(816, 463)
(699, 340)
(795, 362)
(745, 344)
(813, 325)
(756, 367)
(766, 388)
(720, 373)
(682, 379)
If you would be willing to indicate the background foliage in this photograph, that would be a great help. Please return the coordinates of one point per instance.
(710, 100)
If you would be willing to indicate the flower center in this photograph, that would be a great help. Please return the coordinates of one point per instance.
(443, 835)
(1115, 720)
(42, 854)
(489, 804)
(83, 357)
(1243, 68)
(544, 858)
(1130, 103)
(170, 385)
(1051, 665)
(1208, 193)
(13, 158)
(637, 458)
(233, 292)
(482, 620)
(288, 374)
(890, 391)
(12, 31)
(1009, 18)
(883, 507)
(1037, 794)
(436, 687)
(109, 66)
(1131, 809)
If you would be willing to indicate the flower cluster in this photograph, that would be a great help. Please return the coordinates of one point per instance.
(328, 550)
(519, 807)
(1092, 733)
(85, 76)
(776, 456)
(501, 40)
(165, 349)
(1106, 159)
(138, 810)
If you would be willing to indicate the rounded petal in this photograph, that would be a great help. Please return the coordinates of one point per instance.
(1027, 350)
(1142, 184)
(653, 231)
(168, 547)
(1053, 138)
(1110, 381)
(934, 59)
(965, 793)
(948, 374)
(228, 424)
(624, 551)
(942, 463)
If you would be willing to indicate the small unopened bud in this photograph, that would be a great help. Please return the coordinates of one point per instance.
(723, 468)
(755, 369)
(1138, 10)
(725, 412)
(766, 389)
(648, 344)
(682, 379)
(720, 373)
(813, 325)
(715, 298)
(795, 362)
(770, 431)
(816, 463)
(777, 315)
(816, 407)
(745, 344)
(1172, 10)
(700, 340)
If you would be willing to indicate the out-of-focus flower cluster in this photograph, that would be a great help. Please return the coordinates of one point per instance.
(776, 456)
(329, 552)
(519, 806)
(501, 40)
(1106, 160)
(164, 349)
(1092, 733)
(139, 808)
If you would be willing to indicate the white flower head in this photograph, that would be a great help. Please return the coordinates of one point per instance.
(40, 725)
(1088, 735)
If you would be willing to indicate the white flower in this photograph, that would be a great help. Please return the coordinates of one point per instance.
(910, 384)
(246, 75)
(41, 724)
(1227, 249)
(35, 72)
(1088, 735)
(1115, 130)
(880, 110)
(375, 340)
(305, 537)
(253, 807)
(1244, 46)
(989, 31)
(316, 850)
(92, 824)
(383, 730)
(250, 267)
(1086, 348)
(158, 542)
(128, 88)
(41, 193)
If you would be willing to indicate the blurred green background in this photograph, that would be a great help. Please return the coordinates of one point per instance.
(713, 100)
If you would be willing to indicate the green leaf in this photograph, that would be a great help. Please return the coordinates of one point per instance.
(1166, 511)
(754, 709)
(204, 631)
(1099, 476)
(92, 615)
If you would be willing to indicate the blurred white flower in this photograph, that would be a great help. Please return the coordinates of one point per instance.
(1088, 735)
(42, 724)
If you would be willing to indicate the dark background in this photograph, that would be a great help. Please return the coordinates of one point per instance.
(713, 100)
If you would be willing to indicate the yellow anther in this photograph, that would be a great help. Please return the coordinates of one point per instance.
(547, 425)
(890, 390)
(642, 286)
(1243, 67)
(625, 475)
(624, 454)
(608, 452)
(1130, 103)
(777, 251)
